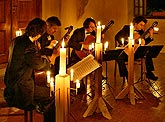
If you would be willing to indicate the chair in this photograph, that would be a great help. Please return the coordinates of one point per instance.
(28, 115)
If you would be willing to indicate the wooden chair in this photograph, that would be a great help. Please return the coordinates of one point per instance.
(28, 115)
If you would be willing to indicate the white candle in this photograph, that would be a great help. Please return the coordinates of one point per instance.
(140, 41)
(71, 74)
(105, 45)
(62, 71)
(93, 45)
(98, 37)
(131, 31)
(77, 84)
(18, 33)
(51, 86)
(122, 41)
(48, 77)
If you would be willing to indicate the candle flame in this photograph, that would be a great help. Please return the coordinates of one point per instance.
(63, 43)
(98, 23)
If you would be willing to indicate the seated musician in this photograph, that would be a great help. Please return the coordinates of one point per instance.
(139, 23)
(77, 41)
(47, 40)
(24, 57)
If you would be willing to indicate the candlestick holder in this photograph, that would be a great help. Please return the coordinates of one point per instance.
(62, 98)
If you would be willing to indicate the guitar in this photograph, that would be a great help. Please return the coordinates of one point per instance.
(142, 37)
(56, 47)
(40, 75)
(89, 40)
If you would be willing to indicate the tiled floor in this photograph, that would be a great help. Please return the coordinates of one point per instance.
(150, 109)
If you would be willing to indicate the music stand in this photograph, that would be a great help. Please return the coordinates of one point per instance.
(110, 55)
(153, 51)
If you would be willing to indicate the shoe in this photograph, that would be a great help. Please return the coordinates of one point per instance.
(150, 75)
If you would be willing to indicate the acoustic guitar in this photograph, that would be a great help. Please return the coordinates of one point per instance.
(89, 40)
(40, 75)
(56, 52)
(142, 37)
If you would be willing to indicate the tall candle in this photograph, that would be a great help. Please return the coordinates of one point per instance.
(51, 86)
(131, 31)
(140, 41)
(62, 71)
(105, 46)
(98, 36)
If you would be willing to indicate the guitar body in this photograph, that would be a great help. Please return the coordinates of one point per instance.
(136, 45)
(85, 52)
(91, 39)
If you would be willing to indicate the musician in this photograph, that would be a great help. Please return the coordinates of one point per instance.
(47, 40)
(139, 23)
(75, 42)
(24, 57)
(79, 36)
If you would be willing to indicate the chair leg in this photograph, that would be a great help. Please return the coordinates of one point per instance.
(25, 116)
(28, 114)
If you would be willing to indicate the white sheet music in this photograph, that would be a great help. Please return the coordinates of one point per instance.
(84, 67)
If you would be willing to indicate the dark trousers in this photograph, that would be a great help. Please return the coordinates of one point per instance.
(42, 96)
(121, 57)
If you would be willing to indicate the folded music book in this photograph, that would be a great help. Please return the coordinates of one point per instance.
(83, 67)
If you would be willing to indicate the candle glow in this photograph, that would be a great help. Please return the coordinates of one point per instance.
(71, 74)
(62, 71)
(131, 30)
(98, 37)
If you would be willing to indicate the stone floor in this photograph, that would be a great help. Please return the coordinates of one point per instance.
(149, 109)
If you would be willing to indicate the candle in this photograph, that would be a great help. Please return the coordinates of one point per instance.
(140, 41)
(131, 31)
(122, 41)
(77, 84)
(98, 37)
(71, 74)
(93, 45)
(51, 86)
(48, 77)
(90, 47)
(62, 71)
(18, 33)
(105, 45)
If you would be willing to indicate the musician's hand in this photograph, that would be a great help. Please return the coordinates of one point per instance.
(52, 44)
(85, 46)
(136, 36)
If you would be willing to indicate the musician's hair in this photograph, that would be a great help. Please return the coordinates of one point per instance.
(53, 20)
(35, 27)
(87, 21)
(138, 19)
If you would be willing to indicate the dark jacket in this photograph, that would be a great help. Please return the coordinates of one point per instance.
(19, 75)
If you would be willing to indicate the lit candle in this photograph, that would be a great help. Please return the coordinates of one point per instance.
(98, 37)
(71, 74)
(156, 29)
(62, 71)
(131, 31)
(48, 77)
(105, 45)
(77, 84)
(122, 41)
(93, 45)
(140, 41)
(18, 33)
(51, 86)
(90, 47)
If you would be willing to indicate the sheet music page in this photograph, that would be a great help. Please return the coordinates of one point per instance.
(83, 67)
